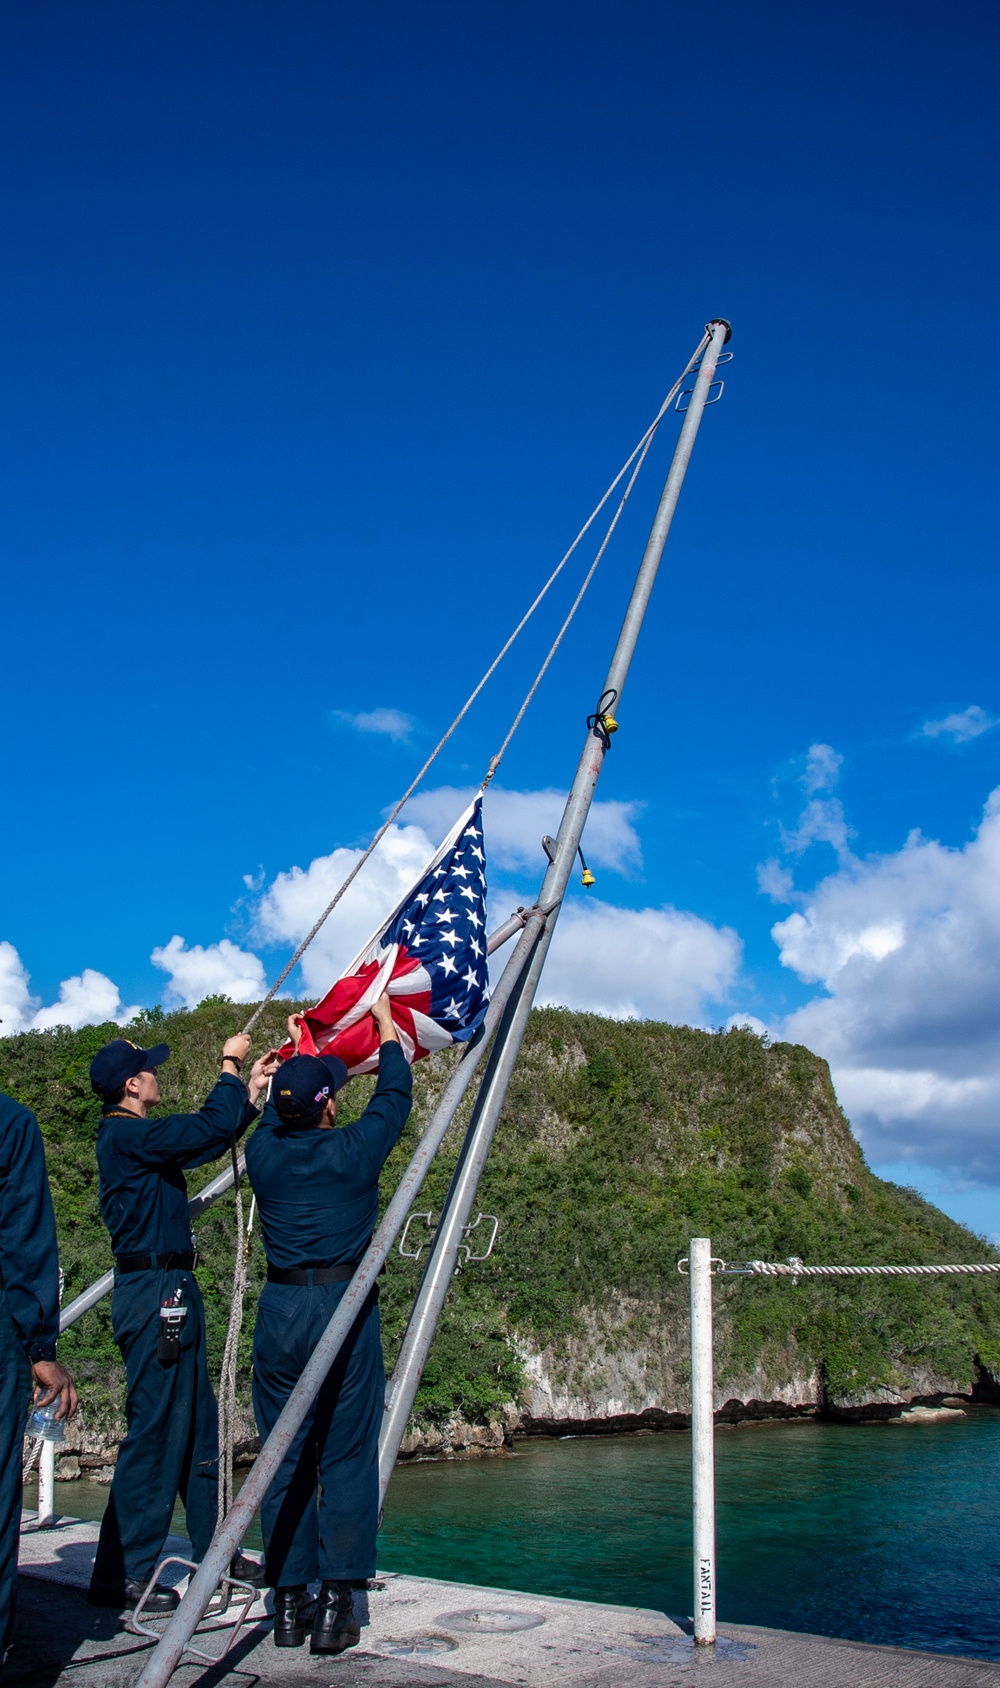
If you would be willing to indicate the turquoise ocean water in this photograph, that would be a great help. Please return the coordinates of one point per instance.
(876, 1532)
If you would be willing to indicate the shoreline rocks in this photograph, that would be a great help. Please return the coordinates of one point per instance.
(91, 1453)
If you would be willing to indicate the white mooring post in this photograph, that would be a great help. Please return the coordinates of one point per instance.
(47, 1483)
(703, 1439)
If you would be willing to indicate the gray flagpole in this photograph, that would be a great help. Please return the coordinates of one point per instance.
(458, 1205)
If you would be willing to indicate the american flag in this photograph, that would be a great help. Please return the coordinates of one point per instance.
(431, 954)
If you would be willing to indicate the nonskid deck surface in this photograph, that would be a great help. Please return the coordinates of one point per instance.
(418, 1632)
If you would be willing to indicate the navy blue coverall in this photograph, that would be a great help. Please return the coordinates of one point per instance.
(317, 1195)
(171, 1447)
(29, 1316)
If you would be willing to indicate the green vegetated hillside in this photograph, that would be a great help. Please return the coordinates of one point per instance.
(619, 1141)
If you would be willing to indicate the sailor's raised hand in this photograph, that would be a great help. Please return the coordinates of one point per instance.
(237, 1049)
(261, 1073)
(296, 1025)
(382, 1015)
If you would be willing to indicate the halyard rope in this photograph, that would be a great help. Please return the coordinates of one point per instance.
(577, 601)
(227, 1378)
(640, 453)
(227, 1381)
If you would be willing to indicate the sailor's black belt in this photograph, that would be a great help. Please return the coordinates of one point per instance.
(312, 1274)
(155, 1262)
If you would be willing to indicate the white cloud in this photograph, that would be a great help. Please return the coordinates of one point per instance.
(221, 969)
(907, 946)
(87, 999)
(650, 963)
(776, 881)
(293, 901)
(748, 1023)
(644, 962)
(962, 726)
(515, 822)
(823, 765)
(388, 723)
(821, 822)
(17, 1005)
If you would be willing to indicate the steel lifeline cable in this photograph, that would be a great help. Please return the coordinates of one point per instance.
(794, 1269)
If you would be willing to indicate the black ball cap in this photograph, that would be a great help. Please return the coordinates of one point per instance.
(304, 1084)
(121, 1060)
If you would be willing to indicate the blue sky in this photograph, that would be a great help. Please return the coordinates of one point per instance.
(323, 330)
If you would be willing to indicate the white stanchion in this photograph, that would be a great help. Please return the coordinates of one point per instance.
(703, 1439)
(47, 1484)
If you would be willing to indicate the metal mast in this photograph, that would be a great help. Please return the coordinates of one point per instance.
(486, 1113)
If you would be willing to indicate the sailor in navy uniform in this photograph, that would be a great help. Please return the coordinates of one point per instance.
(317, 1196)
(171, 1447)
(29, 1323)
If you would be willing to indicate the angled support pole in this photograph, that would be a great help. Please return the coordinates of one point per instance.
(562, 855)
(164, 1660)
(448, 1236)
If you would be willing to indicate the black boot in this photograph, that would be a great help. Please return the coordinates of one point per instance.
(335, 1627)
(248, 1570)
(294, 1609)
(126, 1595)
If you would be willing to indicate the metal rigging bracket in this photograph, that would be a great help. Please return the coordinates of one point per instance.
(681, 408)
(134, 1623)
(724, 357)
(411, 1253)
(602, 723)
(469, 1256)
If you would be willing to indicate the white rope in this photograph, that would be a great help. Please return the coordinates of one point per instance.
(577, 601)
(227, 1376)
(640, 453)
(795, 1269)
(31, 1457)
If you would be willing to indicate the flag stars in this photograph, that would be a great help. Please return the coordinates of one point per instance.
(467, 891)
(450, 938)
(448, 964)
(471, 978)
(477, 852)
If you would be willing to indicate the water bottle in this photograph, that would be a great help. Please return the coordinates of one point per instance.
(43, 1422)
